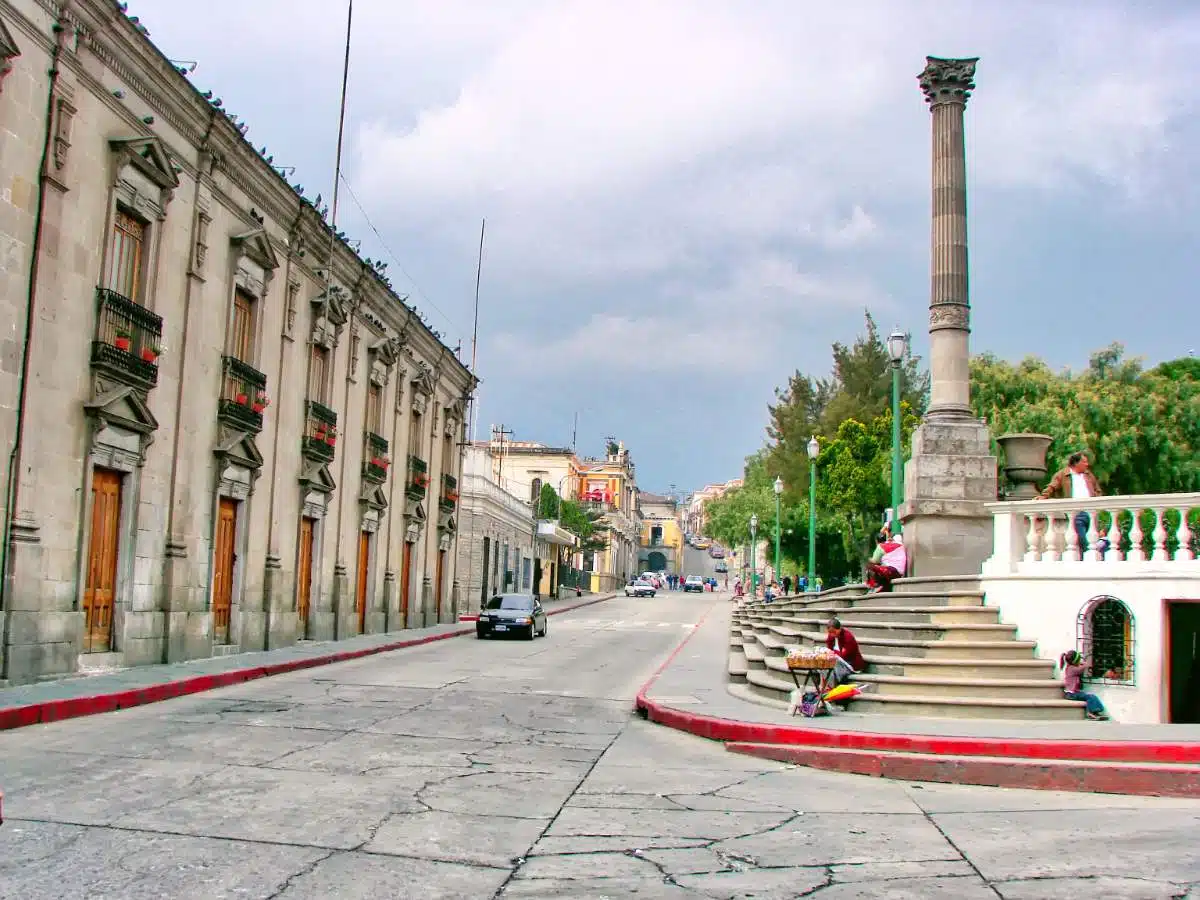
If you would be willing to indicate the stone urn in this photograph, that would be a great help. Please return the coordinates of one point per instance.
(1024, 463)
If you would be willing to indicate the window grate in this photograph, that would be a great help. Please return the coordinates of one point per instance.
(1105, 638)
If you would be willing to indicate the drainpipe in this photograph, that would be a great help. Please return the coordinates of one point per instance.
(13, 480)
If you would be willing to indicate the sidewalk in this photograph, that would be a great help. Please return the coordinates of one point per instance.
(85, 695)
(692, 693)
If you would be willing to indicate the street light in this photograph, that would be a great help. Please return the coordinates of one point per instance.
(778, 492)
(753, 571)
(814, 450)
(897, 344)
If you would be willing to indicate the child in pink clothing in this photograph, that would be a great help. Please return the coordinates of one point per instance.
(1073, 671)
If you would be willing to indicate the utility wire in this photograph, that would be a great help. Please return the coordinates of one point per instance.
(416, 287)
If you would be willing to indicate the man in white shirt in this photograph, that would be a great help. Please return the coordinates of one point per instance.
(1077, 482)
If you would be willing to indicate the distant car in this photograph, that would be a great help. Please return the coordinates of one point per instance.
(721, 568)
(703, 544)
(508, 614)
(694, 583)
(640, 588)
(717, 552)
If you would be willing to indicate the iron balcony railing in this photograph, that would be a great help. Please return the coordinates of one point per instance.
(243, 395)
(128, 338)
(418, 477)
(320, 432)
(449, 499)
(375, 457)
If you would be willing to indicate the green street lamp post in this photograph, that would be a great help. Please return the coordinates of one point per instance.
(778, 493)
(897, 344)
(753, 571)
(814, 450)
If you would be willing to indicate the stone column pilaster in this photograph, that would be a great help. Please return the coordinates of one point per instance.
(947, 84)
(951, 472)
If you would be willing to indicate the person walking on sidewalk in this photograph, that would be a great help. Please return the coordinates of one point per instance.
(1074, 667)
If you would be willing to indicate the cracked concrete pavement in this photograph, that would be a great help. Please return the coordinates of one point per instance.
(479, 769)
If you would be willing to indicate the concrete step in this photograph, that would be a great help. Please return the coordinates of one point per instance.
(745, 691)
(939, 615)
(919, 598)
(1139, 778)
(919, 667)
(754, 655)
(967, 707)
(963, 687)
(737, 666)
(865, 629)
(934, 649)
(770, 685)
(938, 584)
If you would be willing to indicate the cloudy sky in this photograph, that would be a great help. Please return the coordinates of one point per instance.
(686, 200)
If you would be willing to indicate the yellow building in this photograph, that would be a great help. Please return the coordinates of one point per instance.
(608, 486)
(661, 544)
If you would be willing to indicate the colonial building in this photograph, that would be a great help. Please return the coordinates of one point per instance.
(661, 545)
(522, 467)
(695, 518)
(226, 431)
(609, 486)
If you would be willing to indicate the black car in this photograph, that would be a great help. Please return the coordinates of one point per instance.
(508, 614)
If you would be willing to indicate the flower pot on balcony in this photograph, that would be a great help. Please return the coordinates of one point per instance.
(330, 440)
(241, 399)
(121, 342)
(149, 354)
(1024, 463)
(258, 406)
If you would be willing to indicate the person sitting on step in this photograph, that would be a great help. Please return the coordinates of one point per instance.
(845, 647)
(889, 562)
(1074, 667)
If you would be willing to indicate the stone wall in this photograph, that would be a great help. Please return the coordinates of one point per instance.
(131, 136)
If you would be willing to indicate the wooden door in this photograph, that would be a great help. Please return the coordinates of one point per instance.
(364, 566)
(441, 571)
(304, 574)
(99, 595)
(405, 578)
(223, 559)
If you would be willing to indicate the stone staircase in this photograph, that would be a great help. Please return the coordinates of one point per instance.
(932, 648)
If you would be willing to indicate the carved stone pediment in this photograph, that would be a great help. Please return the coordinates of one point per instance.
(8, 52)
(257, 245)
(149, 156)
(334, 303)
(237, 447)
(386, 350)
(373, 497)
(316, 477)
(123, 407)
(414, 511)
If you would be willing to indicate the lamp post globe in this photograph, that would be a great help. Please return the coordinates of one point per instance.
(778, 494)
(897, 344)
(814, 450)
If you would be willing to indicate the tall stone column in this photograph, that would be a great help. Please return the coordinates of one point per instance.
(951, 472)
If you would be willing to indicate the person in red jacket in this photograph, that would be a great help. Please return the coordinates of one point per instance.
(845, 647)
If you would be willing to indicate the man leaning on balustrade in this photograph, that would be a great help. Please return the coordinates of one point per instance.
(1077, 482)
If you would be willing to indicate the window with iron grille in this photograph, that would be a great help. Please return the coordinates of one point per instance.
(1105, 639)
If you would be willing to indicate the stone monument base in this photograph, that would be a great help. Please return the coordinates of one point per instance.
(951, 474)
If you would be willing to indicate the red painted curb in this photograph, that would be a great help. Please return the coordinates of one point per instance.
(1147, 780)
(74, 707)
(732, 730)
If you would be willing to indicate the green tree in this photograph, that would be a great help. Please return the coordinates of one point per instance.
(549, 503)
(1141, 428)
(585, 524)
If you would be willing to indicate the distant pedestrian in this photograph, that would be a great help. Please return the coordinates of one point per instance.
(787, 584)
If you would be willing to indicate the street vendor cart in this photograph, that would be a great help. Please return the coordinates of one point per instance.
(811, 669)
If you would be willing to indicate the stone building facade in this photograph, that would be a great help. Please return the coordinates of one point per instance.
(496, 548)
(225, 431)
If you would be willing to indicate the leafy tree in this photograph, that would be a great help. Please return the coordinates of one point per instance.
(549, 503)
(585, 524)
(1141, 428)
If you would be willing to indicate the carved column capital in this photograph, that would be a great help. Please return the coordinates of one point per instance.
(947, 80)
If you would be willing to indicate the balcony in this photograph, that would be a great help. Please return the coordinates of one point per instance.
(375, 458)
(243, 396)
(128, 340)
(449, 499)
(418, 478)
(320, 433)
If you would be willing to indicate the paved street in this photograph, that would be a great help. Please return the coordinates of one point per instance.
(473, 769)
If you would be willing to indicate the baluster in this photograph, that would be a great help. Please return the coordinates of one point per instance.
(1048, 536)
(1031, 540)
(1160, 536)
(1136, 552)
(1093, 537)
(1072, 551)
(1114, 536)
(1183, 534)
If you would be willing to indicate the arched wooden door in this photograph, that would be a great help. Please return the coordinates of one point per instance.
(304, 575)
(364, 572)
(224, 557)
(405, 582)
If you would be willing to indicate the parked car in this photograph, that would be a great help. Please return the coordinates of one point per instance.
(508, 614)
(640, 588)
(694, 583)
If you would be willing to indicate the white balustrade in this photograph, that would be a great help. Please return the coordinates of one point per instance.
(1158, 530)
